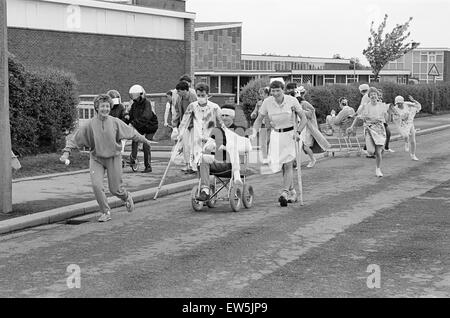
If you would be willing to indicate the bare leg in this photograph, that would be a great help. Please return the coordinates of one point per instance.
(413, 144)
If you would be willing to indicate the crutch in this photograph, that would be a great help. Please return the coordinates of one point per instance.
(172, 158)
(297, 152)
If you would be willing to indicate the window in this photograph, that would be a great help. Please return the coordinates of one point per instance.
(329, 79)
(341, 79)
(401, 79)
(424, 58)
(86, 113)
(439, 58)
(351, 79)
(416, 57)
(431, 58)
(416, 68)
(424, 68)
(400, 66)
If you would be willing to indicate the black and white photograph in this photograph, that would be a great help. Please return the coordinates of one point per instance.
(225, 155)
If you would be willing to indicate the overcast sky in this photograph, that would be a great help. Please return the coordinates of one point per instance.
(322, 28)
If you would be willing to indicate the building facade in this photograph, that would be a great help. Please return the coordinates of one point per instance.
(219, 61)
(419, 62)
(106, 45)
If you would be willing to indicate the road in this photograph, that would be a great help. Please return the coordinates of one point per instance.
(398, 224)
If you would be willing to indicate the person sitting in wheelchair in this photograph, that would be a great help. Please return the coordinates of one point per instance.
(342, 120)
(221, 153)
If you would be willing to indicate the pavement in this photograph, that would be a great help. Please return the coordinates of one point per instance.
(70, 186)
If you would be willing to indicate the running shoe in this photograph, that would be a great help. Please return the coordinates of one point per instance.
(105, 217)
(390, 150)
(204, 195)
(292, 197)
(311, 164)
(378, 172)
(413, 157)
(129, 203)
(283, 199)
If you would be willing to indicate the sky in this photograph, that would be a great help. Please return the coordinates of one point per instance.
(322, 28)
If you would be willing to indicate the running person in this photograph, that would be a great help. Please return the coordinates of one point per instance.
(281, 109)
(404, 113)
(102, 135)
(374, 116)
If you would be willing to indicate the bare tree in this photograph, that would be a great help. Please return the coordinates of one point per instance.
(383, 50)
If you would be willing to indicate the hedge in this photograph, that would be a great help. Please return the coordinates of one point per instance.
(249, 95)
(42, 105)
(325, 98)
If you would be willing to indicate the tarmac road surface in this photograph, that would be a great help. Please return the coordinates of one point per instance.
(352, 221)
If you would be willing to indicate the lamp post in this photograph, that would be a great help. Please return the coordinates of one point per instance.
(354, 60)
(5, 134)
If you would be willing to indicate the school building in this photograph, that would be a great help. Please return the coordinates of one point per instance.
(420, 61)
(220, 62)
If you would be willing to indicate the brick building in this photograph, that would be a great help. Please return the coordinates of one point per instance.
(106, 45)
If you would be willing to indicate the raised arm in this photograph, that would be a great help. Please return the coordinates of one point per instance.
(415, 103)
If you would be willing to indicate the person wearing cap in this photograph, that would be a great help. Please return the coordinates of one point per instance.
(374, 116)
(281, 110)
(403, 114)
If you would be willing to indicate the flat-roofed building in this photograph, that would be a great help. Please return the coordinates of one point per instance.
(106, 44)
(419, 62)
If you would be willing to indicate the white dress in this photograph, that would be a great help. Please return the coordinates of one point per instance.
(404, 118)
(282, 144)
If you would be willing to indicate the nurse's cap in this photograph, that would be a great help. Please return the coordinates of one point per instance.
(279, 79)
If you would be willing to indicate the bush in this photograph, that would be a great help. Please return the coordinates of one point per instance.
(42, 107)
(249, 95)
(326, 98)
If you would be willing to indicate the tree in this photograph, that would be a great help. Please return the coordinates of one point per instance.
(355, 63)
(337, 56)
(383, 50)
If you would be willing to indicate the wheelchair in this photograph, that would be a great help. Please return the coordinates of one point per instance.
(236, 195)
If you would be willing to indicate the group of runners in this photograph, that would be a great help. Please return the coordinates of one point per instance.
(289, 119)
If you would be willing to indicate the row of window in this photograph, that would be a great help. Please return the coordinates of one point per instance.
(418, 57)
(280, 65)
